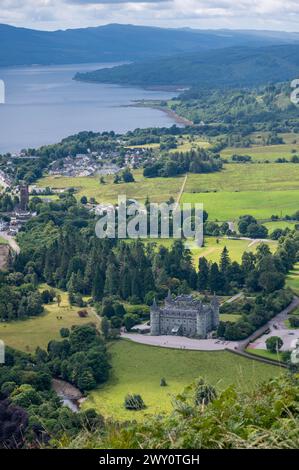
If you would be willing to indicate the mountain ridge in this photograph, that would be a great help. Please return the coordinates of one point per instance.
(118, 42)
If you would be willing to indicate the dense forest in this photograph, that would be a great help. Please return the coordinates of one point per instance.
(229, 67)
(240, 110)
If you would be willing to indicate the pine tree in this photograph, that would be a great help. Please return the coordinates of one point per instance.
(203, 274)
(225, 261)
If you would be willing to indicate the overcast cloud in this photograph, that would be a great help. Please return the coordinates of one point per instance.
(240, 14)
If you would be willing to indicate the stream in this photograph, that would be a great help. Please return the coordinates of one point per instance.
(70, 395)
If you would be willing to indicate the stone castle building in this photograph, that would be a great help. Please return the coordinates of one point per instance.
(184, 316)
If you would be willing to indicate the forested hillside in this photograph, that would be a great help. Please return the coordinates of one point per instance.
(236, 66)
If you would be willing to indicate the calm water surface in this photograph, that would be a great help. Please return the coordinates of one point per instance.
(44, 105)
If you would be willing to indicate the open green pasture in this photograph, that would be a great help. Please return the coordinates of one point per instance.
(138, 368)
(227, 205)
(262, 153)
(27, 335)
(158, 189)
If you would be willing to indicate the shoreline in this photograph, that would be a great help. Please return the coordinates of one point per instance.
(169, 112)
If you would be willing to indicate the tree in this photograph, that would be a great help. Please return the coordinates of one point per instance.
(134, 402)
(274, 344)
(204, 393)
(86, 380)
(64, 332)
(130, 319)
(294, 321)
(128, 176)
(105, 327)
(225, 261)
(216, 279)
(203, 274)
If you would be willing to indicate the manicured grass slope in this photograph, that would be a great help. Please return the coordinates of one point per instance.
(138, 368)
(27, 335)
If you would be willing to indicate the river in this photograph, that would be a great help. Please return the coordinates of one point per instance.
(44, 104)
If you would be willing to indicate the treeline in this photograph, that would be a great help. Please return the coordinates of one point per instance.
(194, 161)
(238, 112)
(31, 412)
(61, 248)
(19, 297)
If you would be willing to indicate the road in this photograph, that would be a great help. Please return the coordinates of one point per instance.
(258, 338)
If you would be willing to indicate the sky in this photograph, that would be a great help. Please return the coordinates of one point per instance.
(234, 14)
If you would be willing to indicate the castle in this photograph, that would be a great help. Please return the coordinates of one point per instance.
(184, 316)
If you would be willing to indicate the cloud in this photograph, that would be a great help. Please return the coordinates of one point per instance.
(241, 14)
(107, 2)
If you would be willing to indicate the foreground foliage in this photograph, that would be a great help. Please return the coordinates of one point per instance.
(267, 417)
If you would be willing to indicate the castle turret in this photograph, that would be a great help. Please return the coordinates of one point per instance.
(215, 310)
(155, 319)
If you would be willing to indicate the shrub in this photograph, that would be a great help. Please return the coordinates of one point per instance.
(134, 402)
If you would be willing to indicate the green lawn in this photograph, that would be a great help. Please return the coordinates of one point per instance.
(283, 224)
(293, 279)
(226, 206)
(258, 189)
(230, 317)
(3, 241)
(138, 368)
(158, 189)
(264, 353)
(247, 177)
(27, 335)
(212, 250)
(263, 153)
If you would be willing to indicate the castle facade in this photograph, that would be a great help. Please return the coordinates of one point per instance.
(184, 316)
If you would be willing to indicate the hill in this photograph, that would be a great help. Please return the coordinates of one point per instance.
(114, 42)
(235, 66)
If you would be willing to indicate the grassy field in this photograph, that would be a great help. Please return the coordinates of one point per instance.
(214, 246)
(3, 241)
(249, 177)
(158, 189)
(213, 249)
(27, 335)
(138, 368)
(263, 153)
(258, 189)
(293, 279)
(226, 206)
(264, 353)
(283, 224)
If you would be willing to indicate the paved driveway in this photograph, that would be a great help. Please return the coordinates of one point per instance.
(180, 342)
